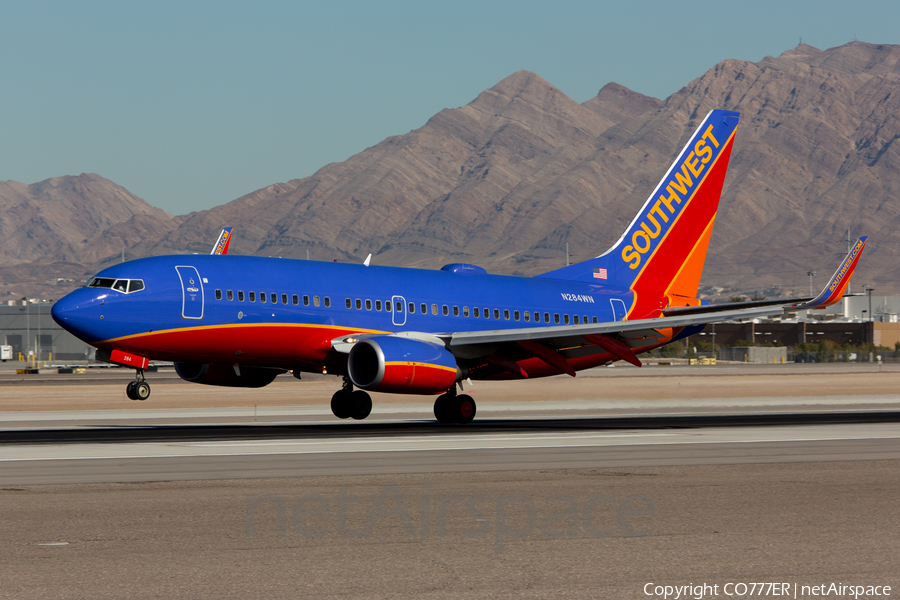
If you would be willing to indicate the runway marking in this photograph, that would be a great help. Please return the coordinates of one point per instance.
(72, 450)
(53, 544)
(289, 441)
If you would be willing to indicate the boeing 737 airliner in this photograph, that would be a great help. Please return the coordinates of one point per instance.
(242, 320)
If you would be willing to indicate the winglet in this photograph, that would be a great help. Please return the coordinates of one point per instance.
(221, 245)
(836, 287)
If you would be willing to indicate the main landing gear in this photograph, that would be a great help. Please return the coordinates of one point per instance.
(348, 403)
(453, 408)
(138, 389)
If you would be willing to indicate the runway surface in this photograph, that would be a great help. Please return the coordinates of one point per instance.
(793, 477)
(234, 451)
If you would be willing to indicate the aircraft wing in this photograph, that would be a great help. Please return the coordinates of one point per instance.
(571, 333)
(619, 337)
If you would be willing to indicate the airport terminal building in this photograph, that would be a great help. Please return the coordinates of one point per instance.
(28, 327)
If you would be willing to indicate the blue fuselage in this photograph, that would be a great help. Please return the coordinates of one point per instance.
(284, 312)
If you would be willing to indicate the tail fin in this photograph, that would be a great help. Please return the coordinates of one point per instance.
(221, 245)
(664, 248)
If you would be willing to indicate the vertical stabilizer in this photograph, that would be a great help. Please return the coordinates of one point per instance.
(664, 248)
(221, 245)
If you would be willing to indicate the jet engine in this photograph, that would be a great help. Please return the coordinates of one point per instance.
(402, 365)
(226, 375)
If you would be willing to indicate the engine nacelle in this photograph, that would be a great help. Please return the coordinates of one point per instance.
(401, 365)
(226, 375)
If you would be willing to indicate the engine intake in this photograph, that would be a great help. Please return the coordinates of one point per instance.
(401, 365)
(226, 375)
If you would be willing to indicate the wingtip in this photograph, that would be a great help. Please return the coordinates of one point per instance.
(838, 283)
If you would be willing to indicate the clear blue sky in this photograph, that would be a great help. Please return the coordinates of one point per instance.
(192, 104)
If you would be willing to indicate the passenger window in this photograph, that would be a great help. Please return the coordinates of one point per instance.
(516, 315)
(284, 298)
(556, 318)
(455, 311)
(586, 320)
(316, 301)
(465, 311)
(537, 317)
(218, 294)
(527, 316)
(348, 303)
(240, 295)
(399, 306)
(230, 295)
(497, 314)
(546, 317)
(506, 314)
(378, 305)
(423, 308)
(594, 320)
(412, 307)
(434, 309)
(575, 320)
(327, 302)
(136, 285)
(476, 312)
(445, 310)
(252, 296)
(306, 301)
(388, 306)
(566, 319)
(358, 304)
(487, 313)
(368, 304)
(295, 299)
(262, 297)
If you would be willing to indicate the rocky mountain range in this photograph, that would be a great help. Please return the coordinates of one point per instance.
(512, 177)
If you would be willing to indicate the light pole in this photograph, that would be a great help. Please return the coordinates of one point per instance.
(869, 290)
(810, 274)
(39, 335)
(27, 326)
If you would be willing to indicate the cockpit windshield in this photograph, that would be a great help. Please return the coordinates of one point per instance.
(126, 286)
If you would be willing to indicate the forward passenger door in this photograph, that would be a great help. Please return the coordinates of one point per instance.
(191, 292)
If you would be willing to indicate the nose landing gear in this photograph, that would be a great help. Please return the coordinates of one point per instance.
(349, 403)
(138, 389)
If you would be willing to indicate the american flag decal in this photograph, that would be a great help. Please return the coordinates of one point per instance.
(599, 273)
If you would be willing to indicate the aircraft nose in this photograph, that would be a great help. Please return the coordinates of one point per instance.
(75, 313)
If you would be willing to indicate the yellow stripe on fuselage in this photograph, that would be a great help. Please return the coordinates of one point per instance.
(407, 363)
(240, 326)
